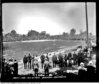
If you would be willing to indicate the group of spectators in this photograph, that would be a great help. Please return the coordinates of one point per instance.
(9, 68)
(87, 72)
(31, 62)
(81, 57)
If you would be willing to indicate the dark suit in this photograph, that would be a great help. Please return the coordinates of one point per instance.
(91, 73)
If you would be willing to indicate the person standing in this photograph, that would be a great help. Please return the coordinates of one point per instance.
(46, 67)
(80, 57)
(36, 67)
(65, 60)
(36, 57)
(54, 60)
(75, 58)
(4, 69)
(60, 57)
(15, 67)
(69, 59)
(42, 59)
(25, 61)
(72, 62)
(32, 60)
(29, 61)
(47, 57)
(11, 68)
(91, 72)
(82, 72)
(69, 55)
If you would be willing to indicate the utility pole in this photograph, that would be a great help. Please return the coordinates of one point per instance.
(86, 23)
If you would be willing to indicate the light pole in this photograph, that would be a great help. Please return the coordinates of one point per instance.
(86, 24)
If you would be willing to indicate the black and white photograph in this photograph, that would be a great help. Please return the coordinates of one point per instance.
(49, 42)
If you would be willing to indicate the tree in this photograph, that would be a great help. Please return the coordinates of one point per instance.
(48, 36)
(32, 33)
(43, 33)
(64, 33)
(72, 32)
(13, 32)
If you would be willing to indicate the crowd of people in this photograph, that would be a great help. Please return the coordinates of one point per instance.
(82, 58)
(31, 62)
(9, 68)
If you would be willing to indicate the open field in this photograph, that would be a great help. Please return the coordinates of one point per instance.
(17, 50)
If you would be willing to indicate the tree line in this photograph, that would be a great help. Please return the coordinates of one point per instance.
(34, 35)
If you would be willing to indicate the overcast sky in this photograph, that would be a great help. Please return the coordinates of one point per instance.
(54, 18)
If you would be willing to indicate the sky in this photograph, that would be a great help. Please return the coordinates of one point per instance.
(54, 18)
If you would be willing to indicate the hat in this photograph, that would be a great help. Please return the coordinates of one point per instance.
(81, 64)
(90, 63)
(10, 59)
(15, 60)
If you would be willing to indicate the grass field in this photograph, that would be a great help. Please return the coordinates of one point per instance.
(17, 50)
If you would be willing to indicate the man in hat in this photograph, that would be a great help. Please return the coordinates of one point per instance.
(65, 59)
(75, 58)
(69, 59)
(60, 57)
(25, 61)
(4, 68)
(15, 67)
(82, 71)
(36, 67)
(42, 59)
(11, 67)
(32, 60)
(80, 57)
(47, 57)
(54, 60)
(91, 71)
(46, 67)
(29, 61)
